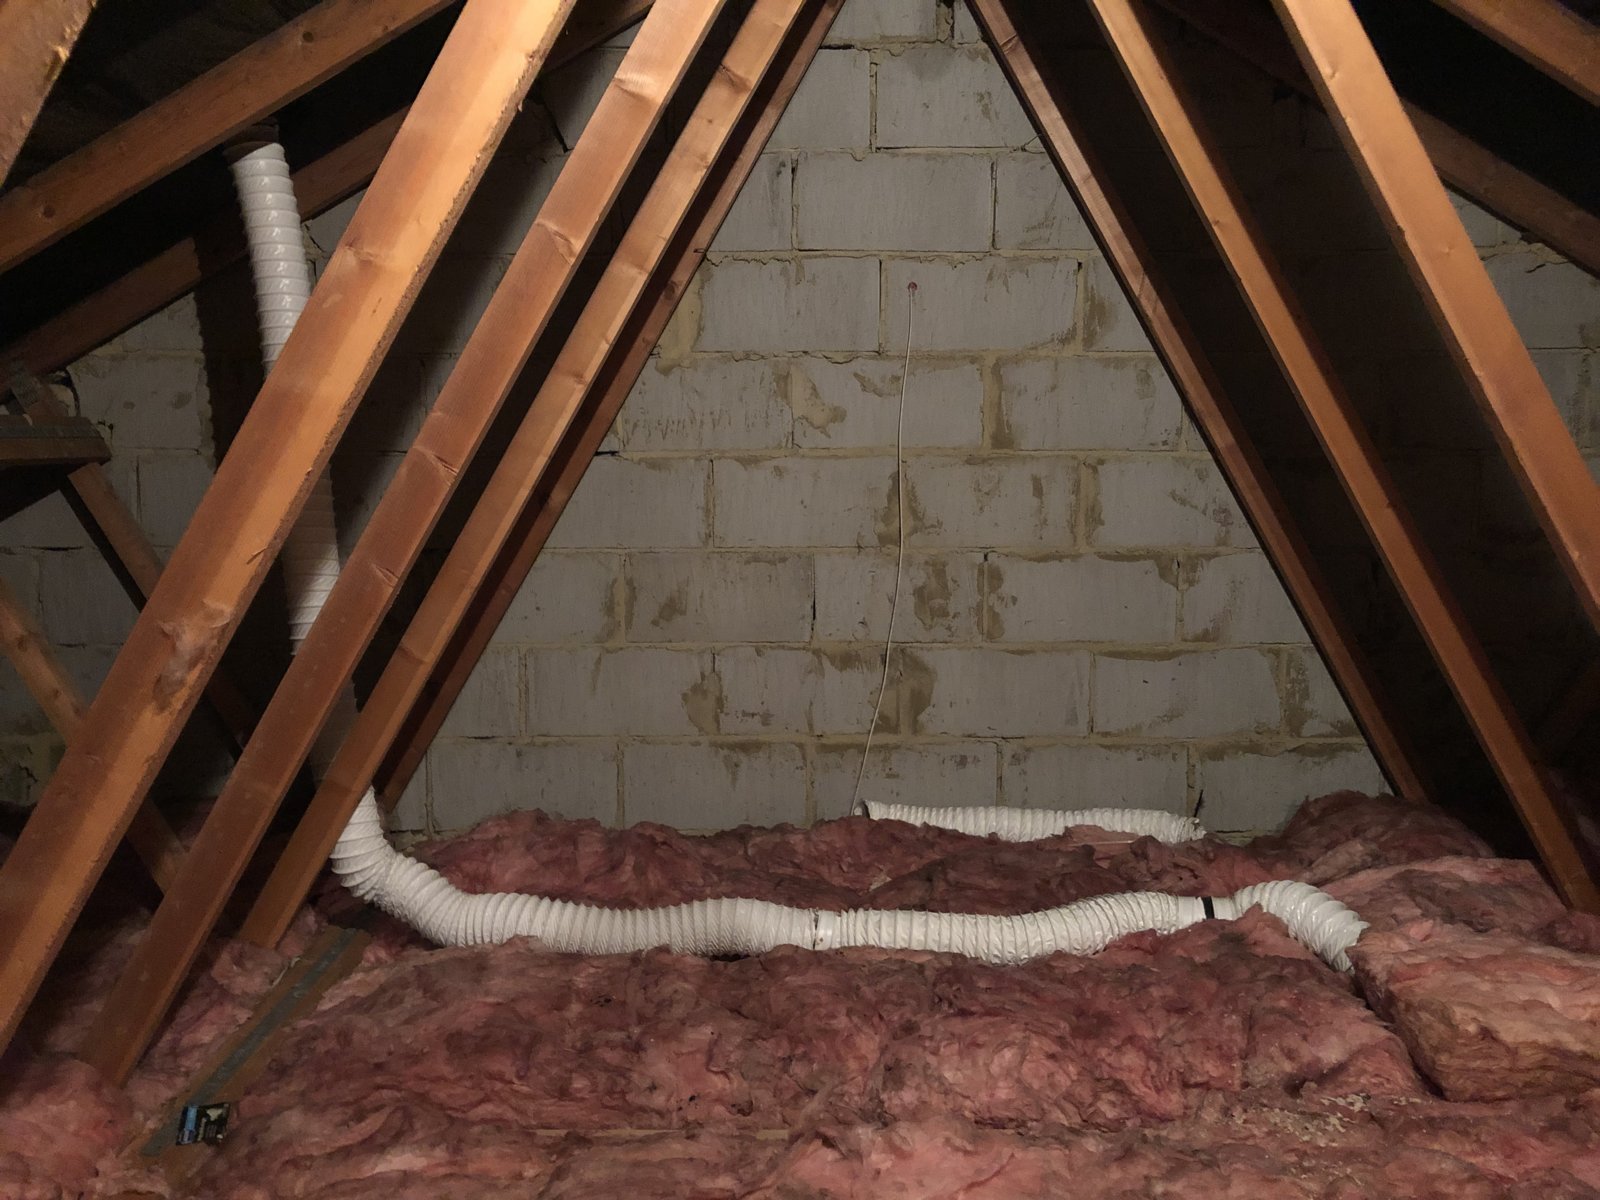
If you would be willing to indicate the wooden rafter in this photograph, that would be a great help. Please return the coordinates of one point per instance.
(199, 116)
(1471, 168)
(319, 185)
(593, 374)
(1460, 296)
(1065, 134)
(461, 113)
(127, 551)
(1544, 34)
(1144, 58)
(24, 643)
(36, 38)
(517, 314)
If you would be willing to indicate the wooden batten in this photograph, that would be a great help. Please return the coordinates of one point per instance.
(527, 296)
(36, 38)
(522, 485)
(201, 115)
(1186, 361)
(1453, 281)
(481, 76)
(1128, 28)
(1544, 34)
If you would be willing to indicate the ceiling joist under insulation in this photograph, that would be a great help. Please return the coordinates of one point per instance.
(423, 167)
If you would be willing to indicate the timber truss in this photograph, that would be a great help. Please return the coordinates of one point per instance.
(1132, 146)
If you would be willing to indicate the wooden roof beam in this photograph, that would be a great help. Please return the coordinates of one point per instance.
(1471, 168)
(1130, 31)
(121, 541)
(201, 115)
(319, 185)
(440, 153)
(24, 643)
(1544, 34)
(517, 315)
(36, 38)
(1066, 135)
(621, 322)
(1453, 282)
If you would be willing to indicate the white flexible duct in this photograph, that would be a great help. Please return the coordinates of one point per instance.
(425, 900)
(1031, 824)
(418, 895)
(310, 559)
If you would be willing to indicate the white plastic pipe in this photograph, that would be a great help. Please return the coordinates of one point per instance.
(425, 900)
(310, 559)
(1031, 824)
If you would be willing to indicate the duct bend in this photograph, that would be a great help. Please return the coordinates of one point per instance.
(418, 895)
(1030, 824)
(310, 558)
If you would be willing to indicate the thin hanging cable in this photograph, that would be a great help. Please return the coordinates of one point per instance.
(900, 553)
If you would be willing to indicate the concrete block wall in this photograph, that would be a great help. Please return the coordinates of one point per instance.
(1085, 616)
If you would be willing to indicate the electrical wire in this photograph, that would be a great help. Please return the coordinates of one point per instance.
(900, 552)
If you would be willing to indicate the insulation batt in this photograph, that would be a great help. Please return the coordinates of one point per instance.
(1488, 1016)
(1222, 1061)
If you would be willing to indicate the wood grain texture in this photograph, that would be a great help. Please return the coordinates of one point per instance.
(1144, 58)
(199, 116)
(62, 442)
(115, 532)
(1544, 34)
(1471, 168)
(318, 185)
(517, 314)
(36, 38)
(47, 681)
(1453, 282)
(481, 76)
(1066, 134)
(533, 483)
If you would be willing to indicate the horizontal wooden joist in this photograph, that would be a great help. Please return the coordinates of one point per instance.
(319, 185)
(64, 442)
(1465, 164)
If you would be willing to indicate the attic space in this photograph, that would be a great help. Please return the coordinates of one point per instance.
(799, 598)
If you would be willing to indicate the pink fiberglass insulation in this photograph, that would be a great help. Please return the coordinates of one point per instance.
(1487, 1016)
(1222, 1061)
(61, 1130)
(1353, 1149)
(1346, 832)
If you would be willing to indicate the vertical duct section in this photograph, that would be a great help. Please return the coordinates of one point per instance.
(310, 559)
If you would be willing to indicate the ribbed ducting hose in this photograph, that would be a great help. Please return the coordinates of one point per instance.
(425, 900)
(310, 559)
(1031, 824)
(375, 872)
